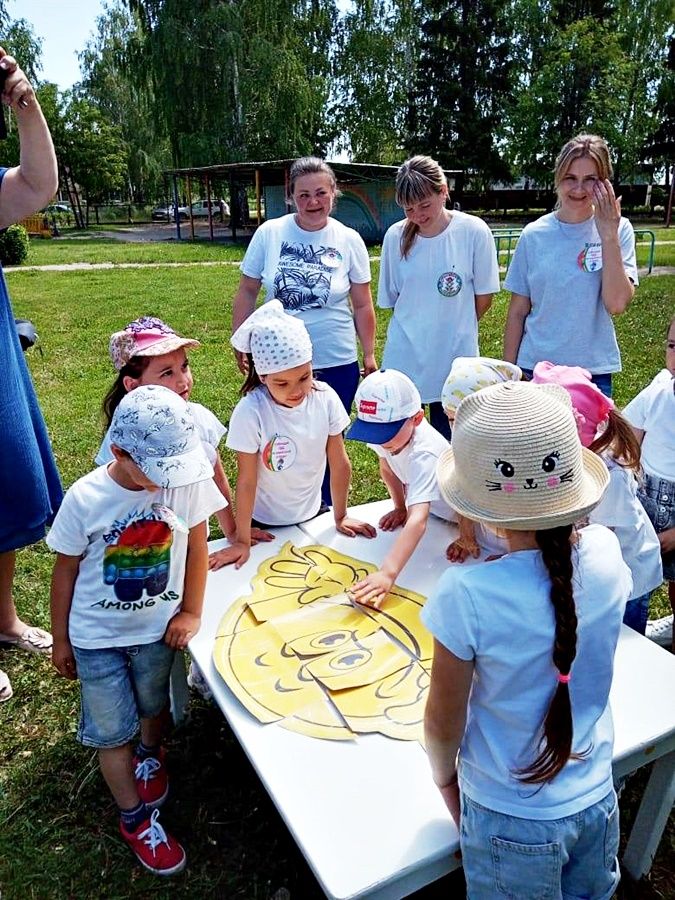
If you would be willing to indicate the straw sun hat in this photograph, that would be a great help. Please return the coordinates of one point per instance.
(516, 460)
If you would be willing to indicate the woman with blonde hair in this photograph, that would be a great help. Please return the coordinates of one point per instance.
(438, 273)
(572, 270)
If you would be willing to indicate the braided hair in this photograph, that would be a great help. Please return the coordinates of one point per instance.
(556, 741)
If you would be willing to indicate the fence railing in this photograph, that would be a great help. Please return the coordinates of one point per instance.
(507, 238)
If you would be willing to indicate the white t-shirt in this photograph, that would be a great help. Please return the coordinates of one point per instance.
(415, 467)
(432, 292)
(558, 265)
(500, 615)
(133, 546)
(311, 272)
(209, 428)
(653, 411)
(291, 448)
(621, 511)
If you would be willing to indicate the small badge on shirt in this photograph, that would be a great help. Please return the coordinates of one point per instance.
(166, 514)
(279, 453)
(331, 258)
(590, 258)
(449, 284)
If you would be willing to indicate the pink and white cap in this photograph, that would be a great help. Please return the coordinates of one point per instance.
(591, 407)
(147, 336)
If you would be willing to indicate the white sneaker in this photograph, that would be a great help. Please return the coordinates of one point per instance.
(660, 631)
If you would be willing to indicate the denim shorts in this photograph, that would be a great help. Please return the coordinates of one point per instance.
(658, 498)
(119, 686)
(557, 859)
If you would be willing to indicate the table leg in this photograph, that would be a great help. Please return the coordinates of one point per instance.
(178, 689)
(651, 818)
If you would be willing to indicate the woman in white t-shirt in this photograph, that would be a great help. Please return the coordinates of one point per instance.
(518, 727)
(572, 270)
(438, 272)
(284, 429)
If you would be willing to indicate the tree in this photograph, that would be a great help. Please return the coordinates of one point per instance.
(375, 64)
(462, 86)
(125, 99)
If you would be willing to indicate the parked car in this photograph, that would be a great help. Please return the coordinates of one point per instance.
(57, 208)
(200, 209)
(166, 213)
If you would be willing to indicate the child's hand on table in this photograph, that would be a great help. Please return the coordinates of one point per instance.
(372, 590)
(394, 519)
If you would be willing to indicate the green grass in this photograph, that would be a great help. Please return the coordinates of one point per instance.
(65, 250)
(57, 823)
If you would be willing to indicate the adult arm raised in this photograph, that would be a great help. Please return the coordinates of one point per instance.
(617, 288)
(30, 185)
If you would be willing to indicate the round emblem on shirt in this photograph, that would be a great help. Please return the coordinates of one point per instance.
(331, 258)
(279, 453)
(449, 284)
(590, 258)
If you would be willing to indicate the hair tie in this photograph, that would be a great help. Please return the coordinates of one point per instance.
(564, 679)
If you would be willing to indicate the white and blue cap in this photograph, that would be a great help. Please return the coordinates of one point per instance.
(276, 340)
(384, 402)
(155, 427)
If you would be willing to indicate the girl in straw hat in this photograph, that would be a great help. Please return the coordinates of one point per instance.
(283, 430)
(518, 726)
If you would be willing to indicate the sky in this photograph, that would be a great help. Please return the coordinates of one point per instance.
(64, 26)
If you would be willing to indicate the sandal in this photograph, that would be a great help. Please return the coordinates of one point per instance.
(5, 687)
(33, 639)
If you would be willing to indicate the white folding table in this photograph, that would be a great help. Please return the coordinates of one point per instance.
(365, 813)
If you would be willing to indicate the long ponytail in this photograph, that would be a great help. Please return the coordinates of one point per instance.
(619, 438)
(134, 369)
(556, 740)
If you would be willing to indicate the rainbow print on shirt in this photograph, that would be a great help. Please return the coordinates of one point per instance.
(139, 560)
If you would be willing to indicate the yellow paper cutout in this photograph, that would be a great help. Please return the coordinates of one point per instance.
(359, 663)
(297, 651)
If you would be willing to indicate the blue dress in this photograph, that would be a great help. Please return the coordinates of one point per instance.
(30, 487)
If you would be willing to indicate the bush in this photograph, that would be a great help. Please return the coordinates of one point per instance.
(14, 244)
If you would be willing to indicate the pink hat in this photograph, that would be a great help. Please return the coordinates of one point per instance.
(147, 336)
(591, 407)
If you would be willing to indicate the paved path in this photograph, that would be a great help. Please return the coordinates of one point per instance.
(87, 267)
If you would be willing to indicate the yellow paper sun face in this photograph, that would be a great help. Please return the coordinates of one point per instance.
(298, 652)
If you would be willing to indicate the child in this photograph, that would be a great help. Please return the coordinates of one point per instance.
(127, 591)
(148, 351)
(467, 375)
(283, 429)
(390, 419)
(604, 430)
(652, 415)
(518, 726)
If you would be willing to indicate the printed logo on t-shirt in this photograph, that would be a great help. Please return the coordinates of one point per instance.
(449, 284)
(304, 275)
(590, 258)
(138, 558)
(279, 453)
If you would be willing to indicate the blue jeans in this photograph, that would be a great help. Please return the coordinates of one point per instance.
(637, 613)
(344, 380)
(118, 687)
(603, 380)
(439, 420)
(573, 857)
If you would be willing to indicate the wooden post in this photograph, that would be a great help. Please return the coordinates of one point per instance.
(192, 220)
(234, 207)
(670, 197)
(210, 210)
(175, 207)
(258, 208)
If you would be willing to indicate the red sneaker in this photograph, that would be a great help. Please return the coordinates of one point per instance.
(152, 780)
(154, 848)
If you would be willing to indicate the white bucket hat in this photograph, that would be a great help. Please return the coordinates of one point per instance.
(469, 374)
(516, 459)
(154, 425)
(276, 340)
